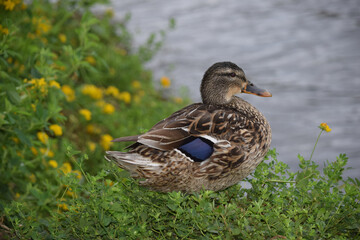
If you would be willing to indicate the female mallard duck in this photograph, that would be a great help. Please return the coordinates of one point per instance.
(210, 145)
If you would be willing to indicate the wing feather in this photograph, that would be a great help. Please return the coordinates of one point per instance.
(196, 120)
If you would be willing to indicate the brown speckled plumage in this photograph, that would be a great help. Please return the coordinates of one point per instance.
(238, 133)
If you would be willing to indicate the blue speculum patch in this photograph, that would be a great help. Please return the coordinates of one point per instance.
(198, 149)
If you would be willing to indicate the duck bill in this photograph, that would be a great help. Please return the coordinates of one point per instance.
(252, 89)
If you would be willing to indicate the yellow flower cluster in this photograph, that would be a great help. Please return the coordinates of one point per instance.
(105, 141)
(325, 127)
(63, 206)
(4, 30)
(92, 129)
(92, 91)
(46, 152)
(165, 82)
(85, 113)
(62, 37)
(57, 130)
(43, 137)
(53, 163)
(107, 108)
(42, 25)
(66, 168)
(32, 178)
(54, 84)
(10, 4)
(38, 83)
(113, 91)
(91, 146)
(91, 60)
(69, 93)
(15, 140)
(41, 84)
(34, 151)
(123, 96)
(136, 84)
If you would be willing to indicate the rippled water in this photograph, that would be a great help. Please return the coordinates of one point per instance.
(307, 53)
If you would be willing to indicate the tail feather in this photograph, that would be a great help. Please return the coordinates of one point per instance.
(127, 139)
(132, 162)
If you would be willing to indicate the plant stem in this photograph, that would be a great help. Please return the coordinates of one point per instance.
(315, 145)
(280, 181)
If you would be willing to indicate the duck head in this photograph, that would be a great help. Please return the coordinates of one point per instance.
(225, 79)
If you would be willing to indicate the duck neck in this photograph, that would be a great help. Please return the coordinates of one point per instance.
(214, 94)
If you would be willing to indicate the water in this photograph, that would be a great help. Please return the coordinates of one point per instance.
(307, 53)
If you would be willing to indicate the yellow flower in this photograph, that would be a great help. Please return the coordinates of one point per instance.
(92, 91)
(15, 140)
(22, 68)
(54, 83)
(69, 192)
(19, 153)
(108, 183)
(62, 37)
(178, 100)
(165, 82)
(69, 93)
(53, 163)
(9, 5)
(32, 178)
(77, 173)
(17, 195)
(108, 108)
(33, 106)
(34, 151)
(92, 129)
(105, 141)
(92, 146)
(66, 168)
(124, 96)
(57, 130)
(111, 90)
(63, 206)
(5, 31)
(85, 113)
(47, 152)
(136, 84)
(38, 83)
(91, 60)
(42, 24)
(325, 127)
(43, 137)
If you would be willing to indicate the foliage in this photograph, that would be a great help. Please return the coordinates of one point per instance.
(279, 205)
(70, 81)
(69, 77)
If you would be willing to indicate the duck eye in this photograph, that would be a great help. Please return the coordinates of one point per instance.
(232, 74)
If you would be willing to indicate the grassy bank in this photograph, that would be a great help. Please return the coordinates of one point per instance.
(70, 82)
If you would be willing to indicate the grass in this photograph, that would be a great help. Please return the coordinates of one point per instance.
(71, 81)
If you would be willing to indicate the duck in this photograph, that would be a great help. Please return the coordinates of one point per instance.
(210, 145)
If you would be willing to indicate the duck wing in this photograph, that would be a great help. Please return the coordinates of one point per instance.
(188, 125)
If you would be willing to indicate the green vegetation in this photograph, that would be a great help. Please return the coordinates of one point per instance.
(70, 81)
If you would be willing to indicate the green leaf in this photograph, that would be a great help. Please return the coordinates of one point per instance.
(23, 138)
(13, 96)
